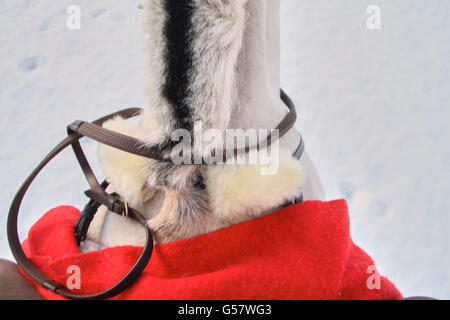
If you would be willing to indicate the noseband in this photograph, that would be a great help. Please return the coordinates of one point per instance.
(98, 195)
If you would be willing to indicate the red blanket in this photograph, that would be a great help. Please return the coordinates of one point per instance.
(301, 252)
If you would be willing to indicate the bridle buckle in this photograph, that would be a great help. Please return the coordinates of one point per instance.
(125, 213)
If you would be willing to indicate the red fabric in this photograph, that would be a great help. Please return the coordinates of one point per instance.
(301, 252)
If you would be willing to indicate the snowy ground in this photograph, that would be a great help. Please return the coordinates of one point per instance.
(374, 112)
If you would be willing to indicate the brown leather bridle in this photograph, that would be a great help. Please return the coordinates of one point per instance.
(98, 195)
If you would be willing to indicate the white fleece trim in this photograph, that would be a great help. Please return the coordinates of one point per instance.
(125, 172)
(237, 191)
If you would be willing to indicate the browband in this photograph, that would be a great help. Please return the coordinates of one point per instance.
(135, 146)
(99, 196)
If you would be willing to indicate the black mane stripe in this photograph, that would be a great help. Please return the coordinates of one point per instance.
(179, 60)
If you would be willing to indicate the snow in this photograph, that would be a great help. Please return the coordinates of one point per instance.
(373, 103)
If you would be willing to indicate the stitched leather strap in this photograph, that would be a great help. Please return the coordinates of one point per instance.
(137, 147)
(99, 196)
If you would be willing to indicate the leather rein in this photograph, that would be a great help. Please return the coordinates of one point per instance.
(98, 195)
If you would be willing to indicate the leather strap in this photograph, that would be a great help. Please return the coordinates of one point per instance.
(132, 145)
(98, 195)
(115, 206)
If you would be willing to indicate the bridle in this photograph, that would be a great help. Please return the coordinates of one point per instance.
(98, 195)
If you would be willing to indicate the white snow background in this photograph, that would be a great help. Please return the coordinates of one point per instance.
(373, 110)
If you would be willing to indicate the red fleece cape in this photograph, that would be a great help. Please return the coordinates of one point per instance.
(301, 252)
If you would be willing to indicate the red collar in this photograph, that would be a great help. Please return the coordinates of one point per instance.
(301, 252)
